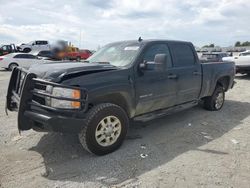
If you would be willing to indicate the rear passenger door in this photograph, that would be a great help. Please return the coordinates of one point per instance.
(188, 71)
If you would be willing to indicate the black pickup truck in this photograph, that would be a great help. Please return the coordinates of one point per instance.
(122, 81)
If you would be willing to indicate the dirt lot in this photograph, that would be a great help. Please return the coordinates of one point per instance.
(194, 148)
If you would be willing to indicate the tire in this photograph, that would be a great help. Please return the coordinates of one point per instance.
(26, 50)
(96, 134)
(12, 66)
(78, 59)
(216, 101)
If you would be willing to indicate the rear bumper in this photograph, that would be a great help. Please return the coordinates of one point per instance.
(33, 113)
(242, 68)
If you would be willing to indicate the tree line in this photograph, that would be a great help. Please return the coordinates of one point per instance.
(239, 44)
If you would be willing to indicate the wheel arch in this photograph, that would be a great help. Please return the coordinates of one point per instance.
(13, 63)
(224, 82)
(114, 98)
(26, 49)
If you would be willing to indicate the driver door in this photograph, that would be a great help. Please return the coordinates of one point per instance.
(154, 90)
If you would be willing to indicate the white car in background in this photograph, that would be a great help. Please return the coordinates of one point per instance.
(25, 60)
(242, 62)
(37, 45)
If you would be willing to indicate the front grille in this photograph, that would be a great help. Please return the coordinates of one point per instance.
(19, 82)
(42, 88)
(26, 91)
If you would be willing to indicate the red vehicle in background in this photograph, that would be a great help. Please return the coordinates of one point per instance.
(73, 53)
(85, 54)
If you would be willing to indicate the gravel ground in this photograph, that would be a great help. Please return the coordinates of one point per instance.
(193, 148)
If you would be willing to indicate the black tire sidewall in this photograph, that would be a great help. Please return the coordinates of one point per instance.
(91, 142)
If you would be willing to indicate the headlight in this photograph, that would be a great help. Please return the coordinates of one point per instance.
(66, 93)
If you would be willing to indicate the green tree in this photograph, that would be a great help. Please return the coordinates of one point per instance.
(245, 43)
(237, 44)
(209, 46)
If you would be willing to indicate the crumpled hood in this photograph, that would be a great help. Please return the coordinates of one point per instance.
(58, 71)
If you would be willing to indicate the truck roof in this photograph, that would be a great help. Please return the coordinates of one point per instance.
(151, 40)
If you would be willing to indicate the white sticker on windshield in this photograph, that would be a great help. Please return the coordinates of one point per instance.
(131, 48)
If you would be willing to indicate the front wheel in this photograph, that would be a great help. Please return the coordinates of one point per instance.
(12, 66)
(105, 130)
(216, 101)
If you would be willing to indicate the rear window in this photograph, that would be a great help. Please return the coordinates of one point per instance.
(183, 55)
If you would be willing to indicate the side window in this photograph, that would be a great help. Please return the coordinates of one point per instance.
(28, 56)
(19, 56)
(150, 53)
(41, 53)
(43, 42)
(183, 55)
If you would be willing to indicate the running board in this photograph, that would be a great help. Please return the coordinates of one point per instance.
(164, 112)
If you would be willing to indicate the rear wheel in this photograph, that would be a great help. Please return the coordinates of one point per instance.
(216, 101)
(12, 66)
(26, 50)
(105, 129)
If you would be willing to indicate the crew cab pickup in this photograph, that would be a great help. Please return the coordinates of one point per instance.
(122, 81)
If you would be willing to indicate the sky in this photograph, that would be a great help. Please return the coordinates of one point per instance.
(93, 23)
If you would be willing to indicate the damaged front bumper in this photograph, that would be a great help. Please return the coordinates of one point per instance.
(27, 94)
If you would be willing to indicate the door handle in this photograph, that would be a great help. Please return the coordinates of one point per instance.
(196, 73)
(172, 76)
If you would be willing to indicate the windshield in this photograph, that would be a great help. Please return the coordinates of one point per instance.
(117, 54)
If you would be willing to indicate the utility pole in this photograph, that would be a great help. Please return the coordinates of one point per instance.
(80, 41)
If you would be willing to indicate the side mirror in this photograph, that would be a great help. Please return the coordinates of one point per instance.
(159, 63)
(160, 58)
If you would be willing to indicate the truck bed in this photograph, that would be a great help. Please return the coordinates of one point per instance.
(212, 71)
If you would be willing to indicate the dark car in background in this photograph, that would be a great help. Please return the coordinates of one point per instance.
(48, 54)
(213, 56)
